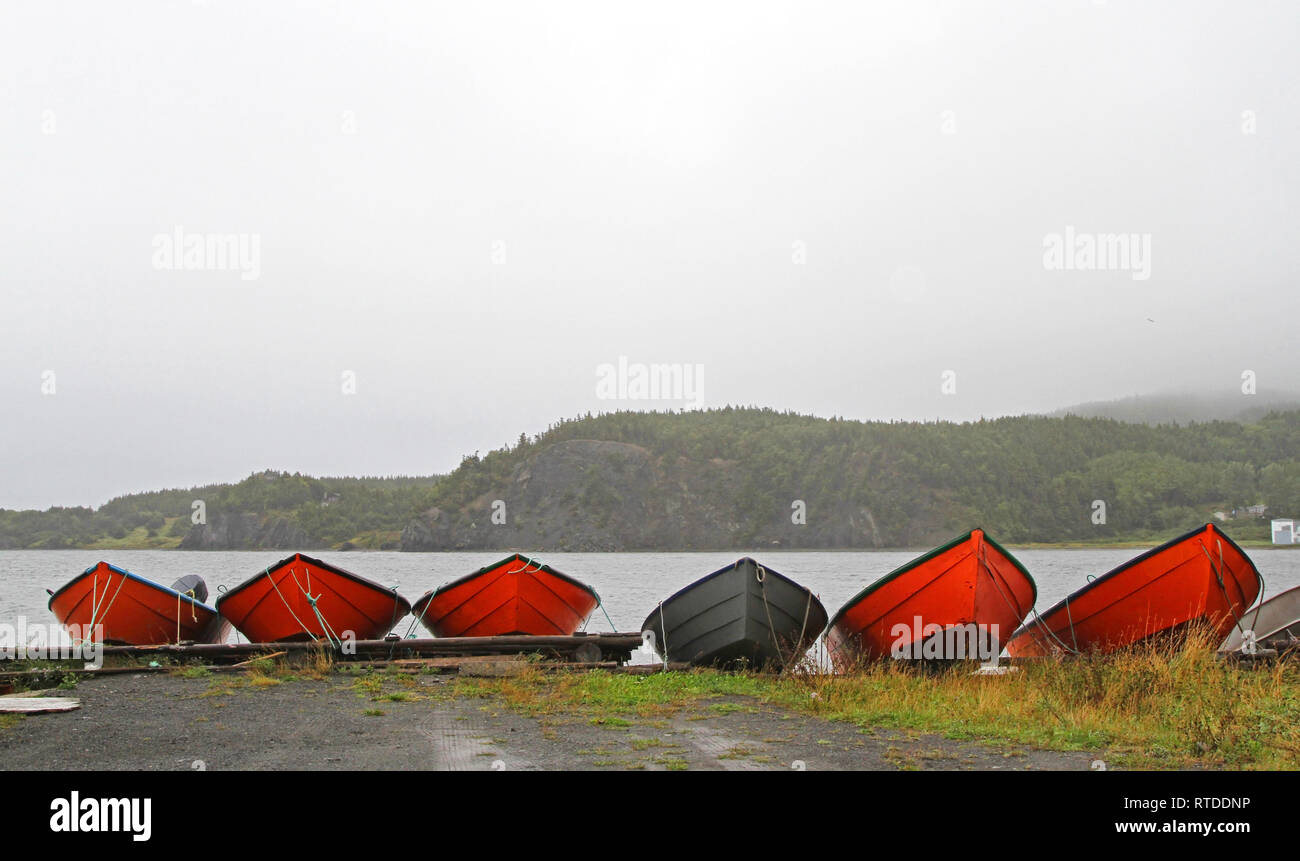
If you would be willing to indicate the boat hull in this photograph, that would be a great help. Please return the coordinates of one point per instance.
(1274, 623)
(133, 610)
(971, 581)
(514, 596)
(1164, 593)
(742, 615)
(273, 606)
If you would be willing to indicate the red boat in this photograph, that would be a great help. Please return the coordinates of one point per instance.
(515, 596)
(954, 602)
(301, 598)
(1201, 578)
(135, 611)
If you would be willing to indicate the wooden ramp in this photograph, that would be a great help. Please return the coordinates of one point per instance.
(37, 705)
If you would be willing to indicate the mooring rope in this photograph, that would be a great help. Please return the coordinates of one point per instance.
(330, 635)
(417, 620)
(803, 629)
(94, 586)
(1218, 576)
(392, 623)
(1012, 604)
(761, 575)
(528, 561)
(276, 587)
(193, 596)
(600, 602)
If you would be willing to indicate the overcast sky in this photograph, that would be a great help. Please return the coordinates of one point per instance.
(470, 208)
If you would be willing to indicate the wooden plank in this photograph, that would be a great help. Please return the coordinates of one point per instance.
(37, 705)
(609, 643)
(254, 660)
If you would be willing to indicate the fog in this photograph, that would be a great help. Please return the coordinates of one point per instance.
(452, 217)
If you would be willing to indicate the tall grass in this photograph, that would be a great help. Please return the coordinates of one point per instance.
(1159, 704)
(1170, 706)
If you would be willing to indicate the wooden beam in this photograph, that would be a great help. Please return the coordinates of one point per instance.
(37, 705)
(611, 645)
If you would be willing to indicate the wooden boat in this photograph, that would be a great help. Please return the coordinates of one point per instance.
(960, 600)
(517, 595)
(301, 598)
(1199, 579)
(745, 614)
(134, 610)
(1274, 624)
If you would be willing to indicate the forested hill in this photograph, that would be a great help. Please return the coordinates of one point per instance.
(744, 478)
(266, 510)
(735, 478)
(1185, 407)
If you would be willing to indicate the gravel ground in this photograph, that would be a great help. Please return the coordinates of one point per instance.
(161, 722)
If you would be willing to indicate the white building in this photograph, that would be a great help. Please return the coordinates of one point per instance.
(1284, 532)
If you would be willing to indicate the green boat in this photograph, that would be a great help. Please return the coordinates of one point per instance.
(743, 615)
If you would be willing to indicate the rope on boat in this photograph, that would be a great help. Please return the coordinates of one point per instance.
(600, 602)
(807, 608)
(1039, 623)
(528, 560)
(99, 617)
(392, 623)
(417, 620)
(1218, 575)
(1010, 601)
(193, 598)
(305, 629)
(1069, 615)
(760, 575)
(334, 639)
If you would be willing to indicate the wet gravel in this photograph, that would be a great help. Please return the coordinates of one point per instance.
(222, 722)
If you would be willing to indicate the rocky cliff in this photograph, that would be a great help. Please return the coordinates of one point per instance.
(248, 531)
(594, 495)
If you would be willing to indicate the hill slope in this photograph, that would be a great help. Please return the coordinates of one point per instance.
(739, 478)
(1184, 408)
(735, 478)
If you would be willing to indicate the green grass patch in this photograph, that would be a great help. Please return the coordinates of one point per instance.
(138, 539)
(194, 672)
(610, 722)
(1149, 707)
(1145, 708)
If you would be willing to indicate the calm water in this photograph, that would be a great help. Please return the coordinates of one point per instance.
(630, 584)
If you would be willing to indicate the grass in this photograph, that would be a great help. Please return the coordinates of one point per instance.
(645, 743)
(138, 539)
(194, 673)
(1148, 708)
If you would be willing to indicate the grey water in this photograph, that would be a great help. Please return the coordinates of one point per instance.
(630, 584)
